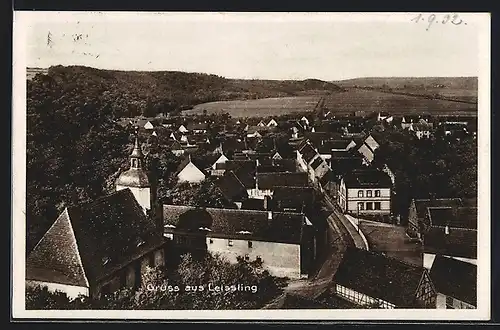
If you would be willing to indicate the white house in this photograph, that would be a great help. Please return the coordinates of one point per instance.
(221, 160)
(272, 123)
(282, 241)
(182, 129)
(189, 172)
(149, 125)
(365, 192)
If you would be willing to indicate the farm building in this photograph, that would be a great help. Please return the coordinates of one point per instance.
(282, 241)
(96, 248)
(455, 283)
(371, 279)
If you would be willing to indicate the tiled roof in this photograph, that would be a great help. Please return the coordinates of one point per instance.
(106, 229)
(231, 187)
(308, 152)
(454, 217)
(288, 179)
(284, 227)
(379, 276)
(367, 179)
(277, 165)
(328, 146)
(421, 205)
(317, 162)
(458, 242)
(291, 197)
(455, 278)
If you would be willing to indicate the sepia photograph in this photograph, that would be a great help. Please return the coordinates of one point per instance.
(225, 165)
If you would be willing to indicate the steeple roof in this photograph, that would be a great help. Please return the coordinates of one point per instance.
(136, 152)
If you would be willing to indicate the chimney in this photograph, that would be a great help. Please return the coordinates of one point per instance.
(446, 230)
(269, 215)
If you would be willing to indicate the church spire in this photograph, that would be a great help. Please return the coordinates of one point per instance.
(136, 156)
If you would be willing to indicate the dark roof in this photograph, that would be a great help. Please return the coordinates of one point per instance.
(458, 242)
(245, 177)
(231, 187)
(327, 146)
(291, 197)
(367, 179)
(248, 165)
(308, 152)
(253, 204)
(277, 165)
(284, 227)
(421, 205)
(455, 278)
(379, 276)
(454, 217)
(288, 179)
(233, 144)
(317, 162)
(109, 228)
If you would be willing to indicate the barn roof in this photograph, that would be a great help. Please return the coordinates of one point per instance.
(367, 179)
(455, 278)
(379, 276)
(104, 235)
(290, 179)
(283, 227)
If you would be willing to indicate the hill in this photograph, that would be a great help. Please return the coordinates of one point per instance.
(463, 89)
(132, 93)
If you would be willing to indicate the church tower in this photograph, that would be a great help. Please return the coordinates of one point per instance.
(136, 179)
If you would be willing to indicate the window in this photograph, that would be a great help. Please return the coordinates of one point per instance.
(377, 193)
(361, 206)
(368, 193)
(377, 205)
(259, 259)
(247, 257)
(211, 241)
(250, 244)
(168, 236)
(360, 193)
(229, 242)
(369, 206)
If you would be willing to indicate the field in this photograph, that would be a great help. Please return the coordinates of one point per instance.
(258, 108)
(457, 88)
(356, 99)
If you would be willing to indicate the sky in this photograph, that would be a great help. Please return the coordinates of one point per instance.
(256, 46)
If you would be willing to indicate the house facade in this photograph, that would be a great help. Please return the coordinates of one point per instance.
(365, 192)
(282, 241)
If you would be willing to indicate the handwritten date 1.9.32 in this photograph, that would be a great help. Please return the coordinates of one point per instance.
(433, 19)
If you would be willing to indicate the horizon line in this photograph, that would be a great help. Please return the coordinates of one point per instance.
(248, 78)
